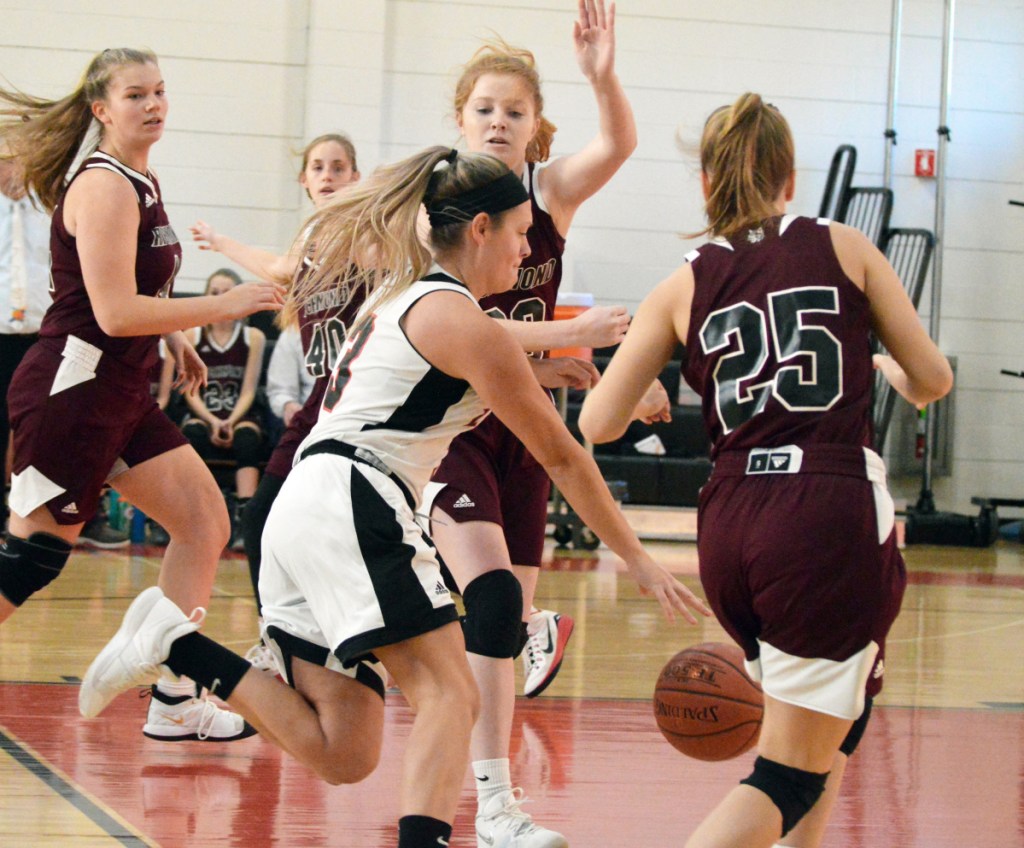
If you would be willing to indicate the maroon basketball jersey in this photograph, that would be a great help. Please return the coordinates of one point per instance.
(157, 259)
(533, 296)
(778, 344)
(323, 324)
(225, 368)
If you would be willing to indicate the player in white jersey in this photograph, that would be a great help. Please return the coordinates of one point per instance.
(349, 579)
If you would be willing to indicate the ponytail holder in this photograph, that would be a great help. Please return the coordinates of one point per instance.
(451, 157)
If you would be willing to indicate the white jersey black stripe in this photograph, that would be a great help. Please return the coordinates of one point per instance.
(384, 397)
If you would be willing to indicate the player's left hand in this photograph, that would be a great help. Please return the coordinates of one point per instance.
(189, 369)
(593, 35)
(654, 405)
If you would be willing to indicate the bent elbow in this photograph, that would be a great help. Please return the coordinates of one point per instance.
(113, 325)
(595, 430)
(944, 382)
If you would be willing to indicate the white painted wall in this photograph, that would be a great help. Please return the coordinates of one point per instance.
(249, 80)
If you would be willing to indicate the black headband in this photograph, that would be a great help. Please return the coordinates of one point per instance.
(496, 196)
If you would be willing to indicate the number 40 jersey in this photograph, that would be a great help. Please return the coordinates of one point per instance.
(779, 340)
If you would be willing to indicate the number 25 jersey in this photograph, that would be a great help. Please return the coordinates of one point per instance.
(778, 345)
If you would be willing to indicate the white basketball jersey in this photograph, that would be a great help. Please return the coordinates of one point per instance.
(383, 396)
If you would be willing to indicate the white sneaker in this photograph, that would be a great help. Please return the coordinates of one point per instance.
(195, 719)
(261, 657)
(501, 824)
(135, 654)
(547, 635)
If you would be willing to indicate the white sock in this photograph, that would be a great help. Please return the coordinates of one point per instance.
(492, 778)
(176, 688)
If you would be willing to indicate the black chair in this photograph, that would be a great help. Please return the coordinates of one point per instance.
(867, 209)
(909, 251)
(840, 175)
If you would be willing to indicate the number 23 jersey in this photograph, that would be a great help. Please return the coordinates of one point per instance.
(778, 345)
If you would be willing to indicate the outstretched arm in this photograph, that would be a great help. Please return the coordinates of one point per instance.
(271, 267)
(570, 180)
(474, 348)
(622, 395)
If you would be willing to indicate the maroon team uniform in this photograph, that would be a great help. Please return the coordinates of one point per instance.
(80, 402)
(323, 324)
(488, 474)
(225, 372)
(797, 549)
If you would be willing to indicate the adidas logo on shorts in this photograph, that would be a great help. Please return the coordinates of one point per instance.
(463, 502)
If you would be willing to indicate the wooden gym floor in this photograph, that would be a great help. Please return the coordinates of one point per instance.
(942, 764)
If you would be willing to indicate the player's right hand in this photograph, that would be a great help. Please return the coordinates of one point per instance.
(602, 326)
(248, 298)
(674, 597)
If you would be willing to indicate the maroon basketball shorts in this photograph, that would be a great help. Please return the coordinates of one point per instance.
(280, 463)
(79, 419)
(489, 475)
(799, 562)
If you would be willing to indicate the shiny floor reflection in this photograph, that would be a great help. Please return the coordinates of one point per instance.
(942, 765)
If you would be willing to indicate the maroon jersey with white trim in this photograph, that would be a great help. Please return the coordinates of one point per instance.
(225, 368)
(324, 321)
(533, 296)
(778, 344)
(157, 260)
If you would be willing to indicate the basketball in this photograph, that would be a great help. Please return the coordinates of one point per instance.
(705, 704)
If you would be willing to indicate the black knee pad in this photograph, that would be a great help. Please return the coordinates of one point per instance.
(794, 791)
(198, 435)
(494, 613)
(28, 565)
(853, 738)
(524, 637)
(247, 446)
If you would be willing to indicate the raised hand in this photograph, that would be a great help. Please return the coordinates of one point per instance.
(593, 36)
(204, 234)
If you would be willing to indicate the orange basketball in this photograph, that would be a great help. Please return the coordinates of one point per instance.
(705, 704)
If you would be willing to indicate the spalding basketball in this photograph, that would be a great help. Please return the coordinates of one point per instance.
(706, 705)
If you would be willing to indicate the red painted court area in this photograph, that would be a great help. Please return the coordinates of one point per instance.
(599, 771)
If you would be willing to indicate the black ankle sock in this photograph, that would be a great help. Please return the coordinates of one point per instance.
(209, 664)
(422, 832)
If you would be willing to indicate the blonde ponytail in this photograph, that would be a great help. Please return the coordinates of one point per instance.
(746, 152)
(45, 136)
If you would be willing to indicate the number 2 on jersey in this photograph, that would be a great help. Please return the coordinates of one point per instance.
(812, 383)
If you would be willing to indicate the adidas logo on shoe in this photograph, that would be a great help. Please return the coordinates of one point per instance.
(463, 502)
(70, 509)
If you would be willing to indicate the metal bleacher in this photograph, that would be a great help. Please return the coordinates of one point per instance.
(909, 251)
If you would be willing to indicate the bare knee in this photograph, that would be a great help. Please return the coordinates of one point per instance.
(201, 519)
(352, 765)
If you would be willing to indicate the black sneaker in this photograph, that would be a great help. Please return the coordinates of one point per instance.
(97, 533)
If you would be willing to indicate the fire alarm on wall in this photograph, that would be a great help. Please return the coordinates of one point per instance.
(924, 163)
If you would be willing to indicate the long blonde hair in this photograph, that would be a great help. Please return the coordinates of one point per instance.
(498, 57)
(746, 151)
(366, 236)
(46, 135)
